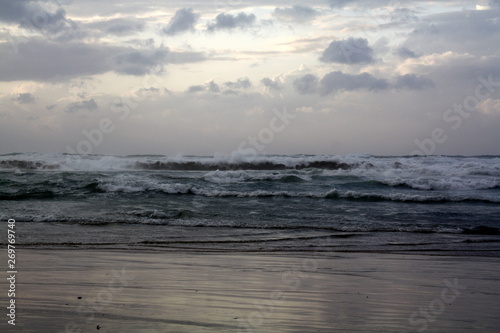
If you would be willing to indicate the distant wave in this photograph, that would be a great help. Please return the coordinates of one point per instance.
(257, 165)
(356, 164)
(28, 165)
(204, 165)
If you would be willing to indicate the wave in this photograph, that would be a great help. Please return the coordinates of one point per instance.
(181, 188)
(241, 176)
(344, 232)
(397, 165)
(256, 165)
(482, 230)
(28, 195)
(443, 184)
(87, 163)
(188, 189)
(28, 165)
(428, 179)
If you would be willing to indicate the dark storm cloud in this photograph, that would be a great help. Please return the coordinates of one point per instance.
(30, 15)
(183, 20)
(348, 51)
(413, 82)
(40, 60)
(89, 105)
(271, 84)
(228, 21)
(25, 98)
(306, 84)
(296, 13)
(240, 83)
(337, 81)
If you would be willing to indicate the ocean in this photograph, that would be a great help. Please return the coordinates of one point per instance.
(441, 205)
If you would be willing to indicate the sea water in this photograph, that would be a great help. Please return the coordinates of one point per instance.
(399, 204)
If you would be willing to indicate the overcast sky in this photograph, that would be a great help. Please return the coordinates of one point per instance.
(272, 77)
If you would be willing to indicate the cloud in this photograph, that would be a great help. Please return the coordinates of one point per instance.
(139, 62)
(489, 106)
(211, 87)
(41, 60)
(228, 21)
(468, 31)
(306, 84)
(360, 3)
(337, 81)
(413, 82)
(89, 105)
(183, 20)
(271, 84)
(339, 3)
(405, 53)
(297, 13)
(240, 83)
(196, 89)
(348, 51)
(452, 68)
(403, 15)
(118, 26)
(30, 15)
(25, 98)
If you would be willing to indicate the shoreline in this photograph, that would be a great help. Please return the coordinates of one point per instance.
(158, 291)
(267, 252)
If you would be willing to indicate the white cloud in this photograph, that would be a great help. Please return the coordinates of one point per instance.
(489, 106)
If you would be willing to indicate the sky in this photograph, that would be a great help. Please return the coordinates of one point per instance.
(250, 77)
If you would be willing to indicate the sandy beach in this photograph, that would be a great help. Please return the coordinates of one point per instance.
(126, 291)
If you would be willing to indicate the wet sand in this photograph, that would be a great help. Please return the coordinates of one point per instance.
(127, 291)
